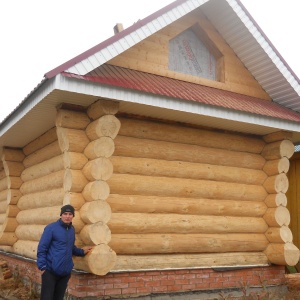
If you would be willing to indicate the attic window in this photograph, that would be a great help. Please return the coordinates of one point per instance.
(192, 53)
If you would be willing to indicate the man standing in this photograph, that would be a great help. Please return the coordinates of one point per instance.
(54, 255)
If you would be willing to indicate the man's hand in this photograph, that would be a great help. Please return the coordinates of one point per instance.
(87, 249)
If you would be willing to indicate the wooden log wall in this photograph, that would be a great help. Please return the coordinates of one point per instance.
(178, 192)
(277, 152)
(11, 167)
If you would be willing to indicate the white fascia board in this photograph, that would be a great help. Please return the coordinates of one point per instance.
(265, 45)
(85, 66)
(132, 96)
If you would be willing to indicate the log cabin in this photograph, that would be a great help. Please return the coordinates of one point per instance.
(173, 141)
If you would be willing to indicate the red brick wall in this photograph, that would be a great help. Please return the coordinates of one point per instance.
(151, 282)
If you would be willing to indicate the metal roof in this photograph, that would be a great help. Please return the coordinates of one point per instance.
(37, 111)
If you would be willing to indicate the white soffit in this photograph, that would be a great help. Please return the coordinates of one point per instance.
(255, 52)
(112, 50)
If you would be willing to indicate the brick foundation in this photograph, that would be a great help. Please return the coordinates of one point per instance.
(132, 284)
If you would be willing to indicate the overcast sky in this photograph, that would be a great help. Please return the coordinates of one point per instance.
(39, 35)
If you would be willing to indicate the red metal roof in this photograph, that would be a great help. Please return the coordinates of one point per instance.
(159, 85)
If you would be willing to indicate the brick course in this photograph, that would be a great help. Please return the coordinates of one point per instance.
(132, 284)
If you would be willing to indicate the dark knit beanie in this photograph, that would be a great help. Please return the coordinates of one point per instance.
(67, 208)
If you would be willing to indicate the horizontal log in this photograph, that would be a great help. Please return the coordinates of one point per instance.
(26, 248)
(3, 206)
(96, 190)
(95, 211)
(179, 261)
(281, 234)
(13, 168)
(7, 238)
(139, 223)
(282, 254)
(274, 200)
(176, 187)
(11, 196)
(181, 169)
(72, 140)
(187, 243)
(40, 199)
(10, 224)
(72, 119)
(2, 172)
(12, 210)
(277, 166)
(42, 154)
(98, 169)
(10, 183)
(278, 216)
(42, 141)
(30, 232)
(187, 135)
(278, 136)
(74, 181)
(95, 234)
(50, 181)
(12, 154)
(99, 261)
(107, 125)
(277, 184)
(101, 147)
(75, 199)
(142, 148)
(155, 204)
(279, 149)
(71, 160)
(102, 107)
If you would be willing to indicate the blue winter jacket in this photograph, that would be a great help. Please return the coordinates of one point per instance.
(56, 248)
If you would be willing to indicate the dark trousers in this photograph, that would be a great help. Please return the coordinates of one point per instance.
(53, 287)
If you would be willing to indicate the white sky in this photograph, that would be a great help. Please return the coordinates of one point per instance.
(39, 35)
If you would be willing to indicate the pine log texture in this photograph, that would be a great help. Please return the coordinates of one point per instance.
(101, 147)
(10, 224)
(142, 148)
(7, 238)
(75, 199)
(30, 232)
(102, 107)
(277, 184)
(42, 154)
(281, 234)
(98, 169)
(274, 200)
(278, 216)
(95, 211)
(181, 169)
(107, 125)
(10, 154)
(99, 261)
(282, 254)
(187, 188)
(48, 198)
(42, 141)
(174, 205)
(277, 166)
(96, 190)
(11, 196)
(278, 136)
(71, 119)
(71, 140)
(74, 181)
(179, 261)
(139, 223)
(67, 160)
(26, 248)
(192, 243)
(279, 149)
(187, 135)
(13, 168)
(10, 183)
(95, 234)
(48, 182)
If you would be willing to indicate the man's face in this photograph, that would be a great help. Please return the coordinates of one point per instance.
(67, 217)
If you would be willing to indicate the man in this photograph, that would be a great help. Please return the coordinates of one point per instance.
(54, 255)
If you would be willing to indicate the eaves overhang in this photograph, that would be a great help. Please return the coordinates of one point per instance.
(37, 114)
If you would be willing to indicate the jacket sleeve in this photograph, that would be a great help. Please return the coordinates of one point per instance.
(43, 248)
(78, 251)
